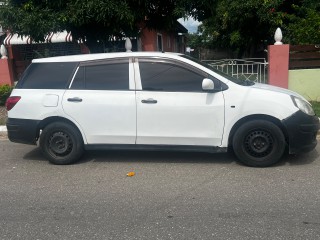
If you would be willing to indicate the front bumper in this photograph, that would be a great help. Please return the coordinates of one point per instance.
(22, 130)
(302, 132)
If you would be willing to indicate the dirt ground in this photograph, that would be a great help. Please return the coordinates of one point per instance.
(3, 115)
(3, 118)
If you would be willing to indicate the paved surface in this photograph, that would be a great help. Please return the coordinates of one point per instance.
(172, 196)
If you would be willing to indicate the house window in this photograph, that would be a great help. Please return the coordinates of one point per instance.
(159, 42)
(168, 42)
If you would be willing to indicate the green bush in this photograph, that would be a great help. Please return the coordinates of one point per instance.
(5, 91)
(316, 108)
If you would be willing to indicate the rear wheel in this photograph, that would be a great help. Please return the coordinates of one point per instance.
(259, 143)
(61, 143)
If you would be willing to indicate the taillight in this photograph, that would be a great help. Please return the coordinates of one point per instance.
(11, 102)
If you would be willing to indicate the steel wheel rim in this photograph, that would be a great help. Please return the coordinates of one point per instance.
(60, 144)
(259, 143)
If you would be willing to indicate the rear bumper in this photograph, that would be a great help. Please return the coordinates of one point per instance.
(302, 132)
(22, 130)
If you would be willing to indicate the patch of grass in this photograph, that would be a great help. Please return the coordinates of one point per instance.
(316, 108)
(2, 121)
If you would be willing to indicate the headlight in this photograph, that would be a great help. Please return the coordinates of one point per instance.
(303, 105)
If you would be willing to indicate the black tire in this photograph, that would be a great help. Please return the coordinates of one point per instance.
(61, 143)
(259, 143)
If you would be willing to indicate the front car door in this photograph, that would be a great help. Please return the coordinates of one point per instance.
(172, 108)
(101, 99)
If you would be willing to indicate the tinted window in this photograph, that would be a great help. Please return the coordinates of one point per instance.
(78, 81)
(47, 75)
(113, 76)
(161, 76)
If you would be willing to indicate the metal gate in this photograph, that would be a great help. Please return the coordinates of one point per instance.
(253, 69)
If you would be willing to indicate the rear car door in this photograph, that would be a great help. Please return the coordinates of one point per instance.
(101, 99)
(172, 108)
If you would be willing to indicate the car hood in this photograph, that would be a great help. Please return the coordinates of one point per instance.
(277, 89)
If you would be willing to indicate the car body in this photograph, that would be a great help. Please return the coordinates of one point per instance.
(153, 100)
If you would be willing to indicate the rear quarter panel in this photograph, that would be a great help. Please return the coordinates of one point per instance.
(37, 104)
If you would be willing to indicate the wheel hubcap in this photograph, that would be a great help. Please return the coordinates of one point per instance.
(258, 143)
(60, 144)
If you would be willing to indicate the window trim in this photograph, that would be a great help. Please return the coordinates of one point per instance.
(173, 61)
(74, 75)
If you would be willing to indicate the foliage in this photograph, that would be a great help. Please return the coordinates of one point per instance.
(304, 27)
(89, 20)
(5, 91)
(245, 26)
(316, 107)
(199, 40)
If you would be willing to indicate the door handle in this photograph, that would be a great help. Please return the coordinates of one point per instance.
(75, 99)
(149, 101)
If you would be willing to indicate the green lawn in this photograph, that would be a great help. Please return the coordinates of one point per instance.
(2, 122)
(316, 108)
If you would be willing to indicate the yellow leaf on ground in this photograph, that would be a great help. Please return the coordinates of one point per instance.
(131, 174)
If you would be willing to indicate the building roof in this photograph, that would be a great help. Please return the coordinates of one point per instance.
(15, 39)
(180, 28)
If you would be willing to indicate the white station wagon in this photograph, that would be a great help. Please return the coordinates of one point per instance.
(152, 100)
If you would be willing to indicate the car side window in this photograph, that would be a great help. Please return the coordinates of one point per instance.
(169, 77)
(105, 76)
(56, 75)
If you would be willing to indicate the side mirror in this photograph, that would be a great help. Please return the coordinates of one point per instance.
(207, 85)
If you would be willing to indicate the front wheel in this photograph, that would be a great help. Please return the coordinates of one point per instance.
(61, 143)
(259, 143)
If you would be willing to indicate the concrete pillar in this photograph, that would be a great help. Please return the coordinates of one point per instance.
(278, 70)
(6, 74)
(278, 57)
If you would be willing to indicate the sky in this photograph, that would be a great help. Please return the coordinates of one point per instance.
(190, 24)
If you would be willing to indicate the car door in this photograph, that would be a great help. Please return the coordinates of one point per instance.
(101, 99)
(173, 109)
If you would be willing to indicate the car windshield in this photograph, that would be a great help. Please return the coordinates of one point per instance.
(235, 80)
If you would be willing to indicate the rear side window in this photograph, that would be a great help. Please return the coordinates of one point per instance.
(53, 75)
(106, 76)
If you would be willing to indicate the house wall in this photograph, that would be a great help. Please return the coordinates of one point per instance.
(305, 82)
(149, 41)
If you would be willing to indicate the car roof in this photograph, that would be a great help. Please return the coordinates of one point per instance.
(99, 56)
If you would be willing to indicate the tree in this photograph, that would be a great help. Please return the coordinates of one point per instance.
(239, 25)
(89, 20)
(304, 26)
(243, 26)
